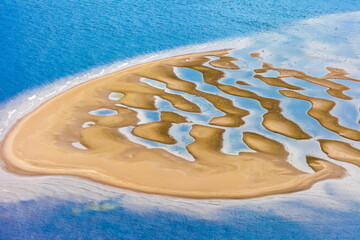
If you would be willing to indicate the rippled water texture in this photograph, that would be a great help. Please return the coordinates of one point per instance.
(44, 40)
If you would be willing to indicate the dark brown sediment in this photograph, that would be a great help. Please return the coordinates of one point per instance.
(172, 117)
(155, 131)
(277, 82)
(255, 55)
(242, 83)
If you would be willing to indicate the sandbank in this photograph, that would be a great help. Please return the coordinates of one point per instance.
(41, 142)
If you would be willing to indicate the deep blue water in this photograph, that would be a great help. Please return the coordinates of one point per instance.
(55, 219)
(42, 40)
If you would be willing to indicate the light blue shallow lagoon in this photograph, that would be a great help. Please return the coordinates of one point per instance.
(42, 41)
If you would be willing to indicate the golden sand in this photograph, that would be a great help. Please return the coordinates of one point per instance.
(277, 82)
(341, 151)
(320, 110)
(155, 131)
(334, 89)
(41, 142)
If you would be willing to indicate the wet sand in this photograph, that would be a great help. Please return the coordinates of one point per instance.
(41, 142)
(320, 110)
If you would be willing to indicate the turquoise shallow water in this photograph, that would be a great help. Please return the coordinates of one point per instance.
(43, 41)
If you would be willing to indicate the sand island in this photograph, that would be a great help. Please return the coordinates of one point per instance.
(46, 141)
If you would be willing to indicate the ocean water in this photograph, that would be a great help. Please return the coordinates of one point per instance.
(54, 219)
(42, 41)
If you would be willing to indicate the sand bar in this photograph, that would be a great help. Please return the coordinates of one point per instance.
(41, 142)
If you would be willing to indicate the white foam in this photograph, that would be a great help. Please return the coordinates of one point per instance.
(88, 124)
(115, 96)
(78, 145)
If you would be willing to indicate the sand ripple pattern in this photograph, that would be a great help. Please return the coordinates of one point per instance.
(192, 126)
